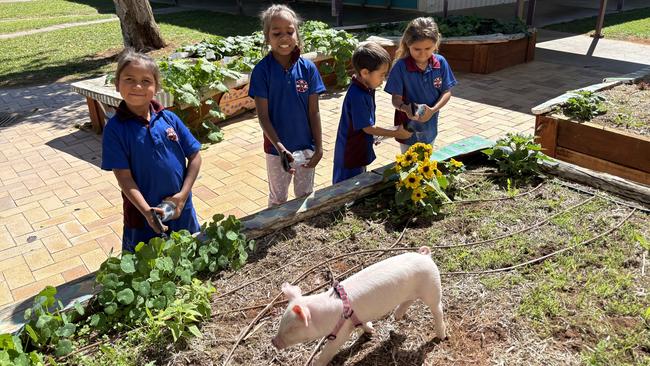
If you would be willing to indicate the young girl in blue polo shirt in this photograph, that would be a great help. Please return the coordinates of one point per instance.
(354, 140)
(153, 155)
(420, 81)
(285, 87)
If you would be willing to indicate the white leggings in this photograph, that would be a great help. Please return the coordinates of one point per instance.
(279, 180)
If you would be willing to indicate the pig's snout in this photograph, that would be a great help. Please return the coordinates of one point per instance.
(277, 342)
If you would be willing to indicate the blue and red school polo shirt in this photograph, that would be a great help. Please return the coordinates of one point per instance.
(354, 148)
(422, 87)
(155, 151)
(287, 92)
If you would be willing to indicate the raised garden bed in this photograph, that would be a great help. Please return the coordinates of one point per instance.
(600, 144)
(470, 44)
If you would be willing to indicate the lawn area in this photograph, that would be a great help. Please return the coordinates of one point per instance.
(86, 51)
(17, 25)
(54, 8)
(631, 25)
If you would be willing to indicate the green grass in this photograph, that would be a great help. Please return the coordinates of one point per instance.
(53, 8)
(627, 25)
(11, 26)
(86, 51)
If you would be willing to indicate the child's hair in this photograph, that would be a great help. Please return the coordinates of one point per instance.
(277, 10)
(418, 29)
(370, 56)
(130, 55)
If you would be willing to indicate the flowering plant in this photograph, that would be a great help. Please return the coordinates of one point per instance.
(422, 182)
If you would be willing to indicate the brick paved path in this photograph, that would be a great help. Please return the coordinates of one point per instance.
(60, 215)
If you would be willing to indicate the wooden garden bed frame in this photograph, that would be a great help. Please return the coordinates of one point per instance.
(479, 54)
(593, 146)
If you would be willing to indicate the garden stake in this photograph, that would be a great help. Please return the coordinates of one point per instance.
(539, 259)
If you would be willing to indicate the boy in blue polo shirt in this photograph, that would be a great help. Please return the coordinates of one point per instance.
(146, 147)
(285, 87)
(354, 139)
(420, 79)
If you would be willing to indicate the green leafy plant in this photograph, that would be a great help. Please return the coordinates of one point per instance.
(45, 328)
(189, 308)
(456, 26)
(511, 189)
(191, 82)
(517, 156)
(319, 37)
(12, 353)
(584, 106)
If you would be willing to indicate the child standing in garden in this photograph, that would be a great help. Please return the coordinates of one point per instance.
(420, 81)
(354, 140)
(153, 155)
(285, 87)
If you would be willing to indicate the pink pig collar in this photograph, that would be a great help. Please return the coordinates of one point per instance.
(348, 313)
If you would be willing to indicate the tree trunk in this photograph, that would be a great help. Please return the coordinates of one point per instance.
(139, 29)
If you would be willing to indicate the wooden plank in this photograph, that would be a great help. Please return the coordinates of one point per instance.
(93, 111)
(605, 143)
(603, 166)
(503, 55)
(480, 61)
(532, 42)
(603, 181)
(546, 134)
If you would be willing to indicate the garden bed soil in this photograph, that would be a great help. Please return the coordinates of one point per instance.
(628, 108)
(579, 306)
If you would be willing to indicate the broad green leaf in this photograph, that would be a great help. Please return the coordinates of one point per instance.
(127, 264)
(125, 296)
(63, 347)
(195, 331)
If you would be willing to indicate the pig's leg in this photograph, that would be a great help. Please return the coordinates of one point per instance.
(401, 309)
(332, 347)
(367, 327)
(434, 301)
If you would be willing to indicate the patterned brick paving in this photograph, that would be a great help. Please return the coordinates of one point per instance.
(60, 214)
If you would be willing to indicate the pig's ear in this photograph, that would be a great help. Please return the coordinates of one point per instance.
(303, 313)
(291, 292)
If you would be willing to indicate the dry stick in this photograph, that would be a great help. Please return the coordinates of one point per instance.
(539, 259)
(538, 224)
(496, 199)
(300, 278)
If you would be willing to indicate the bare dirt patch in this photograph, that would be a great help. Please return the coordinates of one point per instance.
(628, 108)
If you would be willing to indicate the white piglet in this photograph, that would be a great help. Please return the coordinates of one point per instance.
(394, 283)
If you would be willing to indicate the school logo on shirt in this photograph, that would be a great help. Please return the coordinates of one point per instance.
(171, 134)
(301, 85)
(437, 82)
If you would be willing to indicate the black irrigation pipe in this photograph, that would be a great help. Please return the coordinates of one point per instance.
(607, 197)
(495, 199)
(536, 225)
(539, 259)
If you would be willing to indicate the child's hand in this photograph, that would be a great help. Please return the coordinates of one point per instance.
(151, 221)
(179, 200)
(428, 113)
(402, 133)
(313, 161)
(282, 151)
(408, 109)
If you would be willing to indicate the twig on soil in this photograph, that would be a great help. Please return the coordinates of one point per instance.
(296, 281)
(539, 259)
(538, 224)
(313, 353)
(495, 199)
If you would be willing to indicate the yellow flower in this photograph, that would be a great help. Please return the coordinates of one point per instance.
(455, 163)
(409, 158)
(438, 173)
(412, 181)
(426, 170)
(434, 164)
(418, 195)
